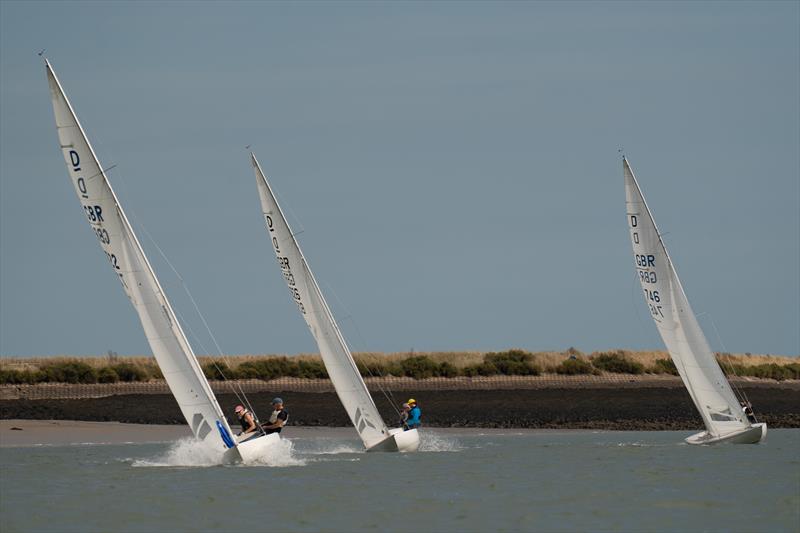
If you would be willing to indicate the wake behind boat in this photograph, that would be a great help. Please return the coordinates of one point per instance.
(344, 374)
(170, 346)
(727, 419)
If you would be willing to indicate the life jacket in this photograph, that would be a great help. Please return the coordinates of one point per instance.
(243, 422)
(414, 416)
(274, 417)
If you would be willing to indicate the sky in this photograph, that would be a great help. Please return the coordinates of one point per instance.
(453, 168)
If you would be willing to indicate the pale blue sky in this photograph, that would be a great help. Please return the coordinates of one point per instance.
(454, 168)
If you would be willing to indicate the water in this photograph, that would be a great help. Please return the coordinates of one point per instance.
(460, 481)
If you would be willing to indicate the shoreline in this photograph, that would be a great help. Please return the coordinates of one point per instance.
(35, 433)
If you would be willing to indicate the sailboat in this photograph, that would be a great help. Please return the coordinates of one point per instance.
(720, 409)
(338, 360)
(127, 259)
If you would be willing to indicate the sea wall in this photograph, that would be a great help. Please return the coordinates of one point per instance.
(51, 391)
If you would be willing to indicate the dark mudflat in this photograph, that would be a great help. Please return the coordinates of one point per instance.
(600, 408)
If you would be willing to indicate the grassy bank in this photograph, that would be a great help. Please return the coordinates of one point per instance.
(415, 365)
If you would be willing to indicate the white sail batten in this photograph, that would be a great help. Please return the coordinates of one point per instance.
(167, 340)
(305, 292)
(676, 322)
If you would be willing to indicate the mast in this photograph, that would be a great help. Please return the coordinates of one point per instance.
(710, 391)
(305, 291)
(678, 360)
(107, 218)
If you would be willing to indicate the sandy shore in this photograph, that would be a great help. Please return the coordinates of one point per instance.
(23, 433)
(63, 432)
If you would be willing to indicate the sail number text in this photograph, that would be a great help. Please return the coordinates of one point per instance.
(646, 268)
(644, 263)
(94, 213)
(286, 269)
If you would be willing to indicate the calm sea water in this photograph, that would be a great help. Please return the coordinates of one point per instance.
(513, 481)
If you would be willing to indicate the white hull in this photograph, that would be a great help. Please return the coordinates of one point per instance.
(398, 441)
(752, 435)
(253, 450)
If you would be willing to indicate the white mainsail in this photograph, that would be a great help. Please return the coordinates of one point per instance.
(170, 347)
(710, 391)
(306, 294)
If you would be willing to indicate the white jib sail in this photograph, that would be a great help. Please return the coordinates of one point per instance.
(306, 294)
(677, 324)
(170, 347)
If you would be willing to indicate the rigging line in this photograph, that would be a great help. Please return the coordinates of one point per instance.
(234, 386)
(389, 397)
(291, 212)
(726, 356)
(349, 316)
(99, 143)
(240, 394)
(199, 342)
(289, 209)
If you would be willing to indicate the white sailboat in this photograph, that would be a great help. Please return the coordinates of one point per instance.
(170, 347)
(711, 393)
(305, 292)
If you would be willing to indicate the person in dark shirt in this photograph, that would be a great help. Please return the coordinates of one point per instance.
(277, 419)
(246, 420)
(747, 408)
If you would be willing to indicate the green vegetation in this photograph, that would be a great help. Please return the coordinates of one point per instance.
(107, 375)
(767, 371)
(216, 369)
(617, 363)
(514, 362)
(19, 377)
(664, 366)
(130, 372)
(419, 367)
(510, 363)
(572, 367)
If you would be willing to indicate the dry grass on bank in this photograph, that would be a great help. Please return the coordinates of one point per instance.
(547, 361)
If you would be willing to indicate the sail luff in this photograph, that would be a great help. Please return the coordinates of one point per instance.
(680, 363)
(344, 374)
(314, 285)
(687, 345)
(183, 374)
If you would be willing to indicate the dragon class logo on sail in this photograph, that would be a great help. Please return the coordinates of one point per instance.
(283, 262)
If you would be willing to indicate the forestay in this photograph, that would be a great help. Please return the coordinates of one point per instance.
(170, 347)
(306, 294)
(677, 324)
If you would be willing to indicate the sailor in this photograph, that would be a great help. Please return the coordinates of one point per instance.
(747, 409)
(246, 420)
(277, 419)
(414, 415)
(404, 416)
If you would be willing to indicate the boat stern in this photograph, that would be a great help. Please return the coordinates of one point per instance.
(255, 449)
(398, 441)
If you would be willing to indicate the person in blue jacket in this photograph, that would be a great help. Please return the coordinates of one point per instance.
(414, 415)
